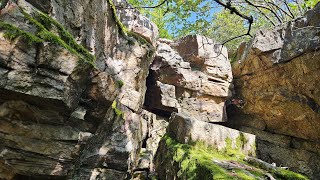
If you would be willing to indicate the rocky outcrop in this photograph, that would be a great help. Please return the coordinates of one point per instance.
(82, 96)
(276, 78)
(199, 160)
(188, 131)
(191, 76)
(71, 89)
(135, 22)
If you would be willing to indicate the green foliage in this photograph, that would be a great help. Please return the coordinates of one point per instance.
(182, 17)
(118, 112)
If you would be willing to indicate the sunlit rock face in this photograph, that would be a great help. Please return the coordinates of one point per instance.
(190, 76)
(277, 78)
(58, 115)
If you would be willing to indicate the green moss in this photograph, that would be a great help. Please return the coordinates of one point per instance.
(118, 112)
(65, 36)
(230, 150)
(288, 175)
(12, 32)
(195, 161)
(120, 83)
(43, 24)
(123, 30)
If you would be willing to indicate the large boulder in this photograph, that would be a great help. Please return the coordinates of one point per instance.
(187, 130)
(194, 79)
(276, 81)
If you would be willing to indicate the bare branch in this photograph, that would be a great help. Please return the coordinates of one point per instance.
(263, 7)
(144, 7)
(279, 8)
(289, 9)
(237, 12)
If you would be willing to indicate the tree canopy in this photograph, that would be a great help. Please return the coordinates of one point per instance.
(227, 21)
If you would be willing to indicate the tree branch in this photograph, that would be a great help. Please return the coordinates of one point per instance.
(279, 8)
(144, 7)
(259, 6)
(237, 12)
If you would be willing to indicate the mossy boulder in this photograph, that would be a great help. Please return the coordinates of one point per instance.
(200, 161)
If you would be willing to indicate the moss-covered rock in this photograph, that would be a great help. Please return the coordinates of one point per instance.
(200, 161)
(48, 30)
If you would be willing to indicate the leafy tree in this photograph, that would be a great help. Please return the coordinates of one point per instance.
(227, 21)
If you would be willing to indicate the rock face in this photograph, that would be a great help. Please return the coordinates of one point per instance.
(191, 76)
(277, 80)
(135, 22)
(83, 96)
(67, 112)
(186, 130)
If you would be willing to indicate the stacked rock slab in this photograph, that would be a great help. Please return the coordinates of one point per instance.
(191, 76)
(59, 118)
(277, 79)
(190, 81)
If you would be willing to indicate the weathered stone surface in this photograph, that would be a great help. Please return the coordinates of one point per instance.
(115, 145)
(30, 69)
(41, 137)
(288, 92)
(194, 83)
(129, 66)
(187, 130)
(125, 58)
(296, 159)
(65, 103)
(205, 54)
(135, 22)
(277, 81)
(155, 129)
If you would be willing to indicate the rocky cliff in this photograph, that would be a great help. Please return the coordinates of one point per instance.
(88, 91)
(277, 79)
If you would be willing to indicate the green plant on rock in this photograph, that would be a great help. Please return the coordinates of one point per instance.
(118, 112)
(119, 83)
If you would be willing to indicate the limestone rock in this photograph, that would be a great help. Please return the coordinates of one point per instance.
(42, 137)
(135, 22)
(124, 57)
(276, 78)
(155, 130)
(115, 145)
(187, 130)
(30, 69)
(53, 107)
(194, 83)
